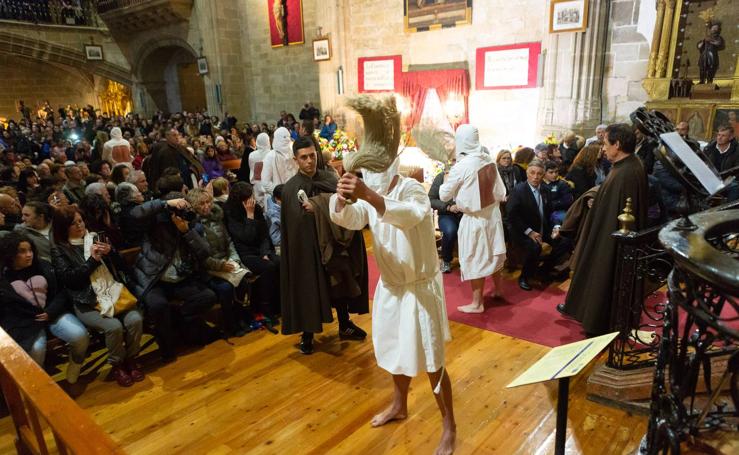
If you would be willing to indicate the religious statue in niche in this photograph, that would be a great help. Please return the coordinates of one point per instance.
(285, 22)
(709, 47)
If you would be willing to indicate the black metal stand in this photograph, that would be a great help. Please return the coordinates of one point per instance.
(563, 397)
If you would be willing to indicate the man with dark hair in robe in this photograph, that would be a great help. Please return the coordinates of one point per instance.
(590, 296)
(305, 290)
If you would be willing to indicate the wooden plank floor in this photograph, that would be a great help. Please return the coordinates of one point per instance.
(260, 395)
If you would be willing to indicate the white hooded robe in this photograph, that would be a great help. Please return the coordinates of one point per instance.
(409, 320)
(481, 241)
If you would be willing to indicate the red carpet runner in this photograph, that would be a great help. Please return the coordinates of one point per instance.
(531, 315)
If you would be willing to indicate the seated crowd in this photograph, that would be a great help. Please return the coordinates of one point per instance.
(119, 225)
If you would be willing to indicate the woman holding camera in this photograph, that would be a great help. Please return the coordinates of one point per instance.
(93, 274)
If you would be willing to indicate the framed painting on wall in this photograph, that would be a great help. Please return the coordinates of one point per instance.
(507, 67)
(425, 15)
(568, 16)
(285, 22)
(202, 65)
(321, 49)
(379, 74)
(669, 112)
(726, 116)
(93, 52)
(699, 120)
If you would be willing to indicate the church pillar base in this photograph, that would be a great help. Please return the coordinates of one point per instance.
(631, 390)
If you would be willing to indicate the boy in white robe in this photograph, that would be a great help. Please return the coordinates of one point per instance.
(477, 189)
(409, 321)
(278, 165)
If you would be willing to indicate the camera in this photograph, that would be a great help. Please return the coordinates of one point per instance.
(186, 214)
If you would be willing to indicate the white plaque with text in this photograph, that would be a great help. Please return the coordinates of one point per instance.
(507, 68)
(379, 75)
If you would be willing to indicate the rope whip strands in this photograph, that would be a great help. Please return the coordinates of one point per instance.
(378, 147)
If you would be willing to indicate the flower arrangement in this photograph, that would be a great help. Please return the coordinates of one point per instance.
(339, 144)
(551, 140)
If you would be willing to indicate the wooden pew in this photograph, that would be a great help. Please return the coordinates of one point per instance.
(33, 397)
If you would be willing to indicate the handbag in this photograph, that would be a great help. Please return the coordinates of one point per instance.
(126, 301)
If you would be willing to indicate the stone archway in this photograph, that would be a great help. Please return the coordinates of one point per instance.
(45, 51)
(167, 68)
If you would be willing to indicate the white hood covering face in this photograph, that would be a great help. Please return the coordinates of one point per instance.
(117, 147)
(379, 182)
(467, 141)
(263, 142)
(282, 142)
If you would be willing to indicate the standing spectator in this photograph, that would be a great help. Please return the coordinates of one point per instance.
(132, 231)
(171, 153)
(512, 175)
(600, 134)
(569, 149)
(583, 170)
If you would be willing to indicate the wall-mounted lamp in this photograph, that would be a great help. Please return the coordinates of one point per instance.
(340, 80)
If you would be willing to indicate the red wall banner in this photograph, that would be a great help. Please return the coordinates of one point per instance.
(507, 67)
(285, 22)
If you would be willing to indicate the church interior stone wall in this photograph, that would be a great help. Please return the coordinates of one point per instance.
(282, 78)
(626, 63)
(35, 82)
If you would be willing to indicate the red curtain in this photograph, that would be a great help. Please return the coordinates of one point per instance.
(449, 84)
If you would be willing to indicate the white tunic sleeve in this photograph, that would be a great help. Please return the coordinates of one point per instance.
(448, 190)
(269, 161)
(409, 211)
(352, 216)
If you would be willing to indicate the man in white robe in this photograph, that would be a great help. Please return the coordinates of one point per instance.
(409, 321)
(476, 187)
(279, 165)
(256, 167)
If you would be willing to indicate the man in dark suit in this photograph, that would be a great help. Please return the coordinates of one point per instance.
(528, 209)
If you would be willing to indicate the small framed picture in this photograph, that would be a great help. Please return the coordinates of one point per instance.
(568, 16)
(321, 49)
(202, 65)
(93, 52)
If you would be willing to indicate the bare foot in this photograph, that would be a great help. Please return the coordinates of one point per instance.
(393, 412)
(471, 308)
(446, 445)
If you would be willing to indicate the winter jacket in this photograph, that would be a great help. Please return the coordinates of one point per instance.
(18, 316)
(73, 273)
(159, 247)
(222, 249)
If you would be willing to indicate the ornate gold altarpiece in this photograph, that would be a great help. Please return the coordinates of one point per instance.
(673, 59)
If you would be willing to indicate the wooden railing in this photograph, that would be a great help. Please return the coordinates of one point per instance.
(33, 399)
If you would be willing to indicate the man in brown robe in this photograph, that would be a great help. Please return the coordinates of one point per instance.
(305, 291)
(171, 153)
(590, 296)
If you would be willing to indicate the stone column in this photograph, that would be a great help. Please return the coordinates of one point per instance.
(573, 83)
(652, 68)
